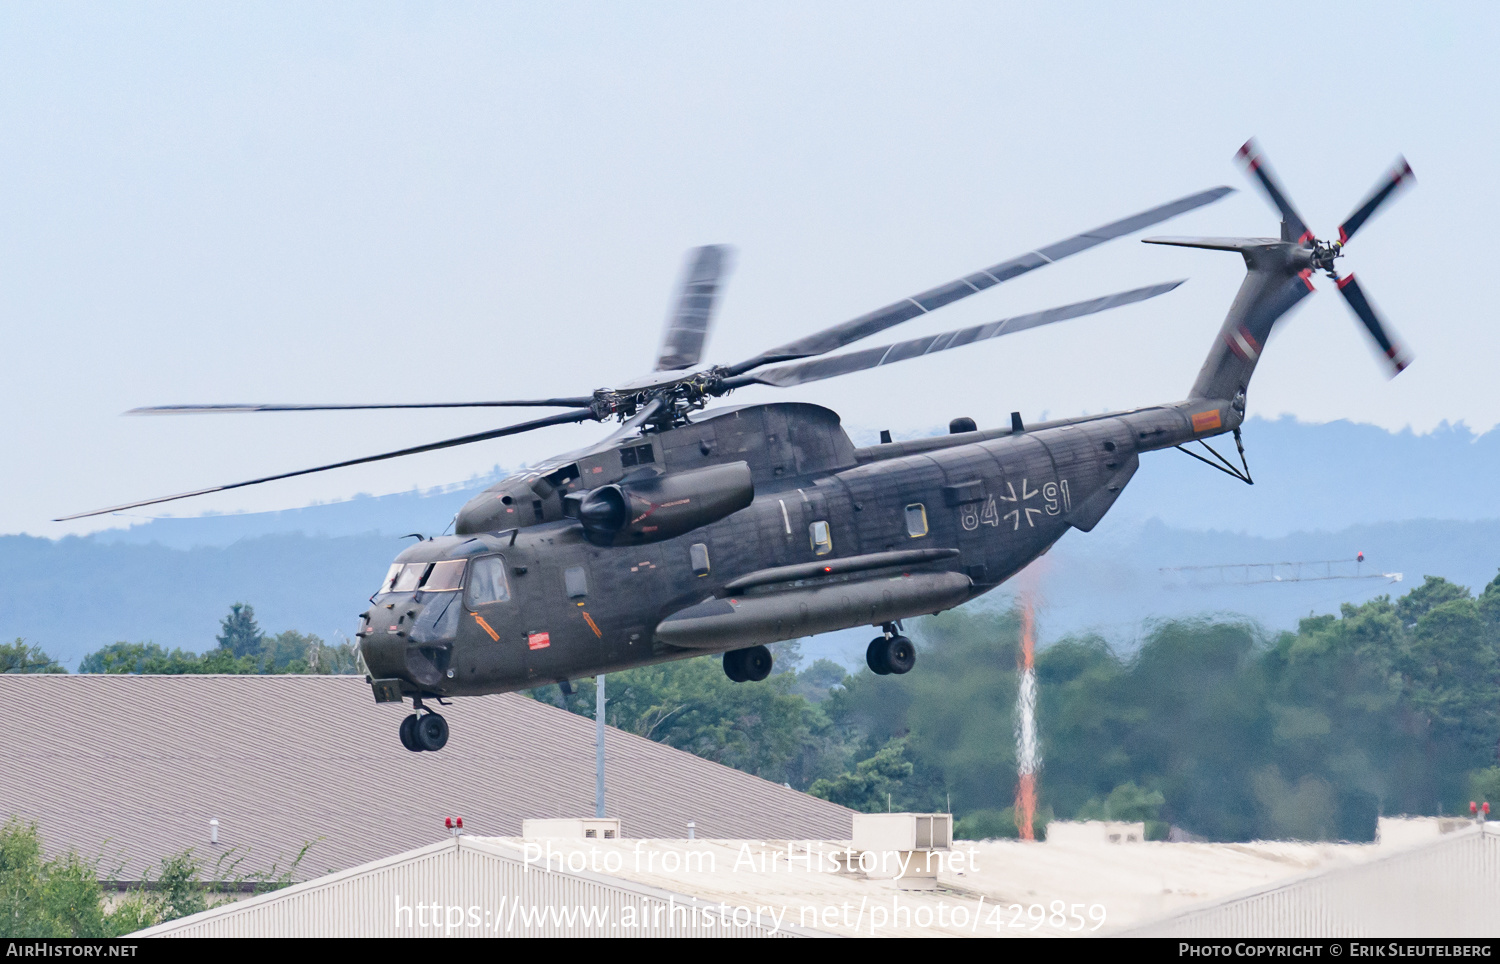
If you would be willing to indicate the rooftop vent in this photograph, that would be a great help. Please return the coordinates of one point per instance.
(572, 828)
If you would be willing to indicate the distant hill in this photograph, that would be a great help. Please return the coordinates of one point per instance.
(1415, 504)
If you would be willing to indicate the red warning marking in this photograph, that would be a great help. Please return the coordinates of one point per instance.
(1345, 280)
(538, 640)
(1243, 344)
(1306, 275)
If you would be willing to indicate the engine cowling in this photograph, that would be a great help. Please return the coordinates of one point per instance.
(660, 507)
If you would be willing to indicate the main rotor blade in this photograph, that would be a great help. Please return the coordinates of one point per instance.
(687, 327)
(1251, 157)
(574, 402)
(516, 429)
(785, 376)
(1400, 174)
(891, 315)
(1397, 355)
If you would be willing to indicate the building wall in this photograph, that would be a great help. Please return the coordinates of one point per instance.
(1449, 888)
(480, 889)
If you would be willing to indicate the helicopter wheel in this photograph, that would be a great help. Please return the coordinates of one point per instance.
(891, 654)
(751, 664)
(409, 734)
(900, 655)
(757, 661)
(431, 732)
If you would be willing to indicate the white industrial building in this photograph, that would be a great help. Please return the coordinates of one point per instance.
(542, 886)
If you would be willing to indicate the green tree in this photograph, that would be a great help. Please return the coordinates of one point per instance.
(1434, 591)
(56, 897)
(872, 784)
(1125, 802)
(241, 636)
(149, 658)
(19, 657)
(761, 728)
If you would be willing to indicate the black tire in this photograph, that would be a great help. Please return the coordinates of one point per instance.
(875, 657)
(900, 655)
(734, 665)
(757, 661)
(431, 732)
(409, 734)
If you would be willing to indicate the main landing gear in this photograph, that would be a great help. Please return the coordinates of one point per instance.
(891, 653)
(424, 730)
(752, 664)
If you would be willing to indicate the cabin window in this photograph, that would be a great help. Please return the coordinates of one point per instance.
(637, 455)
(822, 538)
(698, 554)
(444, 576)
(576, 581)
(916, 520)
(487, 581)
(390, 577)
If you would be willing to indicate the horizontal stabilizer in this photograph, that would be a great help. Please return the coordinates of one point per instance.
(1217, 244)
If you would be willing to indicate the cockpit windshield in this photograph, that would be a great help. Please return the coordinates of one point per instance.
(444, 576)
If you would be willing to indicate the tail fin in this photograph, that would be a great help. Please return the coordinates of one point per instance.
(1277, 277)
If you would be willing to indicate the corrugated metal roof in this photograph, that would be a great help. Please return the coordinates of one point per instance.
(134, 767)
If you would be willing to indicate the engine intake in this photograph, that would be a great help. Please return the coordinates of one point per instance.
(660, 507)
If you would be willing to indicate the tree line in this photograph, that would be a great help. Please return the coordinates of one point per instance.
(1211, 725)
(243, 648)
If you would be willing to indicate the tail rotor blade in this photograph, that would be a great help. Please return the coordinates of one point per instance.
(1397, 355)
(1400, 175)
(1250, 156)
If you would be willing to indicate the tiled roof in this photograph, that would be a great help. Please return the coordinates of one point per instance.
(134, 767)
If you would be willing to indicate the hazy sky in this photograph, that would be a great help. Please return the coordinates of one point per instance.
(422, 202)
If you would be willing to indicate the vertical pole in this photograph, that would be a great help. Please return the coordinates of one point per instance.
(599, 746)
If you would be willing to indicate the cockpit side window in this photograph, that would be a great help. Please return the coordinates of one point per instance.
(487, 583)
(390, 577)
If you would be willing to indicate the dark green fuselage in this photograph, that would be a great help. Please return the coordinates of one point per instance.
(985, 503)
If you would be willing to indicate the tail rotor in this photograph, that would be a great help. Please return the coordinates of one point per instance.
(1321, 255)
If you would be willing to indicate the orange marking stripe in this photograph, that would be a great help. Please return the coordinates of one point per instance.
(1206, 421)
(592, 625)
(486, 627)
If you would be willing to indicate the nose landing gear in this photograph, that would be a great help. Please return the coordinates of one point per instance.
(891, 653)
(424, 730)
(752, 664)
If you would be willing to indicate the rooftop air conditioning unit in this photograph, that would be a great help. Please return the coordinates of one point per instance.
(902, 846)
(572, 828)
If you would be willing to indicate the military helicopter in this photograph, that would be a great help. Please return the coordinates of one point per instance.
(693, 530)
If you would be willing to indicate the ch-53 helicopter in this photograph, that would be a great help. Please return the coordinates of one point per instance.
(692, 531)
